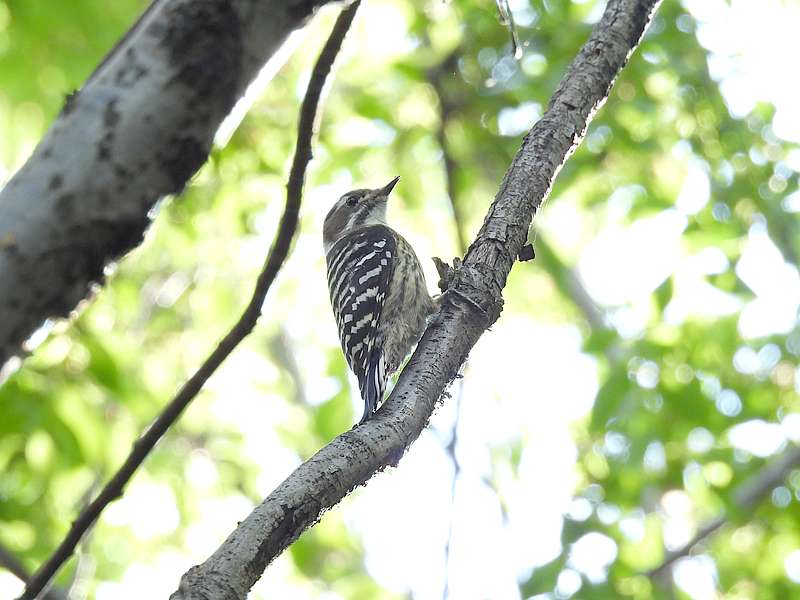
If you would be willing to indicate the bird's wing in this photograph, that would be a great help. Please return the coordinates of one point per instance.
(360, 266)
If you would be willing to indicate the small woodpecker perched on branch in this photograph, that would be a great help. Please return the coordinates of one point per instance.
(377, 289)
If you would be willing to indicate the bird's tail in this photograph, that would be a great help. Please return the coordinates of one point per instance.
(372, 387)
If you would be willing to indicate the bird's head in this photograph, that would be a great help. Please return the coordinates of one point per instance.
(358, 208)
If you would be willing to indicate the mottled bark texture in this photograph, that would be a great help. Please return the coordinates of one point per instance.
(139, 128)
(473, 302)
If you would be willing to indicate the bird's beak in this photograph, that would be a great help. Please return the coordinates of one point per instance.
(386, 190)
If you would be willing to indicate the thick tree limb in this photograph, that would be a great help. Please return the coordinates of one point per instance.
(745, 498)
(138, 129)
(275, 259)
(471, 305)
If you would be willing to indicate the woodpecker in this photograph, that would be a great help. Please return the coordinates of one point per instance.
(377, 289)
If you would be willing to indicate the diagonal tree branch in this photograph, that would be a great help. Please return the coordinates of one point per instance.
(137, 130)
(745, 498)
(275, 259)
(473, 302)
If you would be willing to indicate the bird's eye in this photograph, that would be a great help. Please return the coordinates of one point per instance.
(352, 201)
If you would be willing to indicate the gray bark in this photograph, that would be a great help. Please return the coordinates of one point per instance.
(138, 129)
(472, 303)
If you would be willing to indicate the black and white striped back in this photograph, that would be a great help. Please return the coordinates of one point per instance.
(360, 267)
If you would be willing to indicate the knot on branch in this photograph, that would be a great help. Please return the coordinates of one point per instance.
(446, 272)
(467, 286)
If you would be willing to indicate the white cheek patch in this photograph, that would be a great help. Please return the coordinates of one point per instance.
(370, 211)
(378, 214)
(375, 216)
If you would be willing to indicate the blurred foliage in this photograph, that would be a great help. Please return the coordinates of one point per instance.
(655, 456)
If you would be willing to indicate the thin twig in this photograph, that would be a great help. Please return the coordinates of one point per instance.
(745, 497)
(275, 259)
(507, 19)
